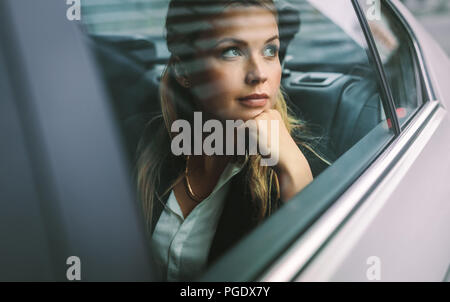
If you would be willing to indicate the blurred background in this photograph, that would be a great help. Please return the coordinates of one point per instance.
(435, 17)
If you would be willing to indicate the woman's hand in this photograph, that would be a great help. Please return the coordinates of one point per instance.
(292, 167)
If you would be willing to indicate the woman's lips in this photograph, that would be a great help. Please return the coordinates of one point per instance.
(254, 100)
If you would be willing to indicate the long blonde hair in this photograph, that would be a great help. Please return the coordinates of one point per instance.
(177, 102)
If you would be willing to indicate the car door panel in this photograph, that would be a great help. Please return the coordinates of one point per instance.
(403, 222)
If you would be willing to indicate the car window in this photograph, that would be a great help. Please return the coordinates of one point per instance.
(396, 52)
(329, 79)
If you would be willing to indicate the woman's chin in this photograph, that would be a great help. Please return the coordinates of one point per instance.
(243, 114)
(247, 114)
(255, 114)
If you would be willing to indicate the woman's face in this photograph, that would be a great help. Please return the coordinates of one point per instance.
(238, 69)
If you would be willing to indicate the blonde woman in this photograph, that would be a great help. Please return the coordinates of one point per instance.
(224, 63)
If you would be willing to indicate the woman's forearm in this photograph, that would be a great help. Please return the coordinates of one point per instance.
(295, 176)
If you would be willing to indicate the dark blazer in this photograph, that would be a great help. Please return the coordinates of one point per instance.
(238, 217)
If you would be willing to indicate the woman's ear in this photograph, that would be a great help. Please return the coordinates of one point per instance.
(181, 73)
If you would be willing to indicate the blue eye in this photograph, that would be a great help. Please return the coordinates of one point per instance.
(270, 51)
(231, 52)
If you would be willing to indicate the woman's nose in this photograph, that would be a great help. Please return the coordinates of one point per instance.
(255, 73)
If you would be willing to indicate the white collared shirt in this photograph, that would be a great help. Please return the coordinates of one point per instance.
(181, 246)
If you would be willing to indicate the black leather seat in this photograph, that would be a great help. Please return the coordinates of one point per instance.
(359, 111)
(341, 113)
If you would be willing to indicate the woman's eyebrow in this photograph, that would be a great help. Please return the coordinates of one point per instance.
(238, 41)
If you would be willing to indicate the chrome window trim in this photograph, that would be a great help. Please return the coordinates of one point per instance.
(289, 265)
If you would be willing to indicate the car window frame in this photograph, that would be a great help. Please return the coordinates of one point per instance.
(415, 55)
(421, 69)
